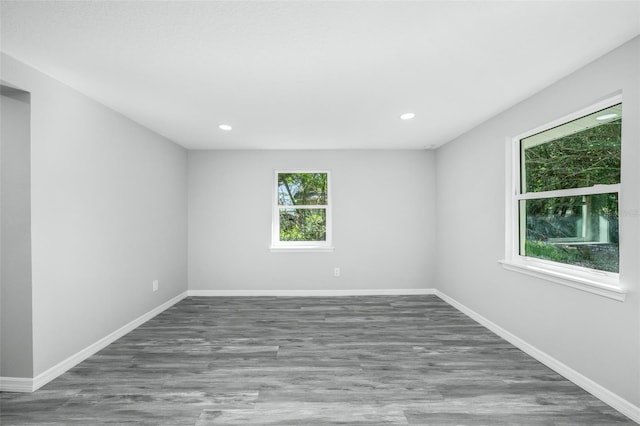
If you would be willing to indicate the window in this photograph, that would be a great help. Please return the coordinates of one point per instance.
(564, 200)
(302, 211)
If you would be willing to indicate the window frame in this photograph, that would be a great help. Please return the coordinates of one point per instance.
(301, 246)
(594, 281)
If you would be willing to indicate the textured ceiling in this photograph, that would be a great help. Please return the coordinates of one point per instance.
(312, 75)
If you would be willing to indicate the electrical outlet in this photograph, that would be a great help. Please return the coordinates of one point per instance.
(155, 285)
(336, 272)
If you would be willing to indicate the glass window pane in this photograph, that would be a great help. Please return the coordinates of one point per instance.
(580, 230)
(302, 189)
(303, 224)
(578, 154)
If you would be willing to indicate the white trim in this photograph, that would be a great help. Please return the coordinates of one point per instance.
(302, 249)
(605, 395)
(10, 384)
(591, 190)
(510, 162)
(602, 286)
(314, 293)
(303, 206)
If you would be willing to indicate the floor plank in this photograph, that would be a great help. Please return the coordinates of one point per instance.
(363, 360)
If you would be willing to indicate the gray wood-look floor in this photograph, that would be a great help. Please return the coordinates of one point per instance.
(310, 361)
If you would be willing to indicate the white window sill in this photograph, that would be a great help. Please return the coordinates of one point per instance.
(302, 249)
(601, 285)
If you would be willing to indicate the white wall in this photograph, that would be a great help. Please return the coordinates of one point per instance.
(16, 343)
(595, 336)
(108, 215)
(383, 218)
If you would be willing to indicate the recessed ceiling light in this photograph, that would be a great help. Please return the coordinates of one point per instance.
(606, 116)
(225, 127)
(407, 116)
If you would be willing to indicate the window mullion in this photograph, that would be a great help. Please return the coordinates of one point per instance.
(306, 206)
(596, 189)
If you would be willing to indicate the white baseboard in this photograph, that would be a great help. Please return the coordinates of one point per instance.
(15, 384)
(313, 293)
(605, 395)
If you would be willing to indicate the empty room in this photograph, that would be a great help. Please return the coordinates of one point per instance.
(320, 212)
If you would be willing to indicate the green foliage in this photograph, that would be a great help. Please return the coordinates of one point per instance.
(546, 251)
(559, 217)
(302, 225)
(302, 189)
(583, 159)
(602, 258)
